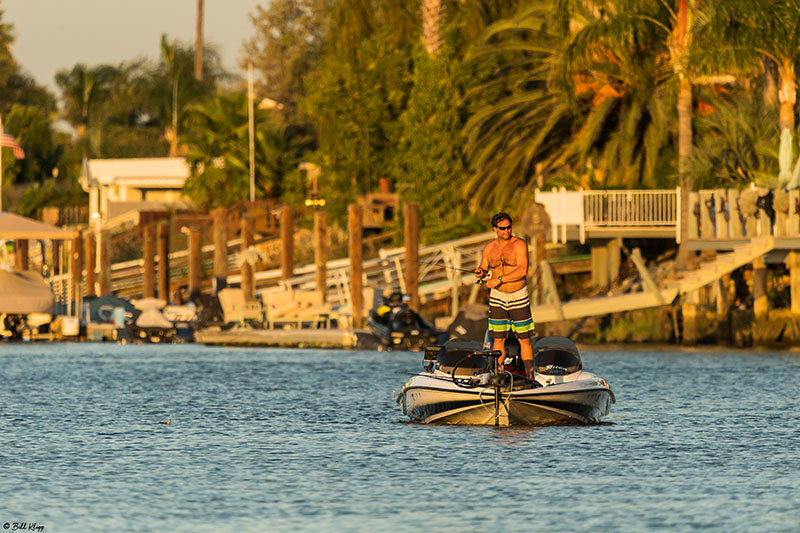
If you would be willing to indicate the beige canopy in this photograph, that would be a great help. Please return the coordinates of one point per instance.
(24, 292)
(16, 227)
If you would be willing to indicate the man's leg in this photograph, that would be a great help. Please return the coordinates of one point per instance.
(526, 352)
(500, 344)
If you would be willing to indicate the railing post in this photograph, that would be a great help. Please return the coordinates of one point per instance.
(582, 227)
(677, 215)
(720, 201)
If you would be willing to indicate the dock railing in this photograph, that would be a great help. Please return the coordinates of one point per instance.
(591, 209)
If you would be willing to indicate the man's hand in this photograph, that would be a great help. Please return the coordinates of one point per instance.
(492, 283)
(479, 272)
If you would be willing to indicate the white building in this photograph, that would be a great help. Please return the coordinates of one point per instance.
(120, 188)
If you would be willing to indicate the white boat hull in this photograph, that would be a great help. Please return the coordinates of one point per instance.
(435, 399)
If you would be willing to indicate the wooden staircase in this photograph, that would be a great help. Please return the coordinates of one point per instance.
(710, 271)
(652, 295)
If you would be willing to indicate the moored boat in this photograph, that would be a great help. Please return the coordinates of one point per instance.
(466, 384)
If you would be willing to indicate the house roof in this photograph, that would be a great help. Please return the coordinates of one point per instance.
(153, 172)
(17, 227)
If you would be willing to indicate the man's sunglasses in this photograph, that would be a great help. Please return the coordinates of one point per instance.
(503, 228)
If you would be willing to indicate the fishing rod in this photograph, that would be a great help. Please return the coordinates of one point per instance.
(446, 266)
(479, 282)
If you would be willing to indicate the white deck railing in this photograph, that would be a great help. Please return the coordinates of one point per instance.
(609, 209)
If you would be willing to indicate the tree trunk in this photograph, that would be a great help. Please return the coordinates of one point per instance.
(198, 45)
(770, 83)
(684, 152)
(787, 94)
(680, 49)
(432, 12)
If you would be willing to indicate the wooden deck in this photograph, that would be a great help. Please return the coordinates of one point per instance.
(295, 338)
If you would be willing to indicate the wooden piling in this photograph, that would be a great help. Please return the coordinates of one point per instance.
(614, 247)
(149, 258)
(162, 231)
(321, 252)
(105, 262)
(600, 271)
(248, 286)
(721, 297)
(220, 248)
(76, 257)
(195, 258)
(21, 255)
(56, 244)
(355, 212)
(760, 303)
(411, 239)
(90, 255)
(689, 314)
(793, 263)
(51, 215)
(287, 242)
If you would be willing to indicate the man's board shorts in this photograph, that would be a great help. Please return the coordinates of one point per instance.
(510, 311)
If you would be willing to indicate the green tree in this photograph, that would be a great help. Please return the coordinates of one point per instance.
(285, 48)
(753, 30)
(737, 143)
(84, 90)
(32, 128)
(355, 101)
(432, 173)
(519, 118)
(172, 86)
(219, 153)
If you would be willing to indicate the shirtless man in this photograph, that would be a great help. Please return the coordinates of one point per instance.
(509, 305)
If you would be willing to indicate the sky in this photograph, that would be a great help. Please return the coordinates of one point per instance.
(51, 35)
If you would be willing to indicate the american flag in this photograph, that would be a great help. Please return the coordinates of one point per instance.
(10, 142)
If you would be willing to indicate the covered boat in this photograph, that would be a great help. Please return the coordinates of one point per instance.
(26, 303)
(466, 384)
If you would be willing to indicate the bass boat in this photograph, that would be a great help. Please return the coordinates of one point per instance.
(463, 383)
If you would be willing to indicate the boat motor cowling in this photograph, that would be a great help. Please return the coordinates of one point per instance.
(431, 356)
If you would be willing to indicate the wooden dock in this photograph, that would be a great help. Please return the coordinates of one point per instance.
(295, 337)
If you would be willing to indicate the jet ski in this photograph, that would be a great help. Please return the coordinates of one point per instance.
(465, 383)
(151, 325)
(397, 326)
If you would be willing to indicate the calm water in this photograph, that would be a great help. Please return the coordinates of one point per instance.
(277, 440)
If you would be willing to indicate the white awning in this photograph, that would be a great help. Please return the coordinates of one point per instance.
(16, 227)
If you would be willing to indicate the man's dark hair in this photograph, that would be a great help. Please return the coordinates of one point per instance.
(500, 216)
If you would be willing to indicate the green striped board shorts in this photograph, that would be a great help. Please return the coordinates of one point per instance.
(510, 311)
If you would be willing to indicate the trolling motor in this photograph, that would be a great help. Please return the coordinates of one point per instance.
(498, 379)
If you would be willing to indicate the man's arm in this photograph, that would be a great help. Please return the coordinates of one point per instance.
(483, 268)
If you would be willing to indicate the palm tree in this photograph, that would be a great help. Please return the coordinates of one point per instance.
(737, 143)
(198, 43)
(584, 99)
(758, 29)
(679, 48)
(218, 151)
(432, 15)
(172, 86)
(84, 90)
(521, 118)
